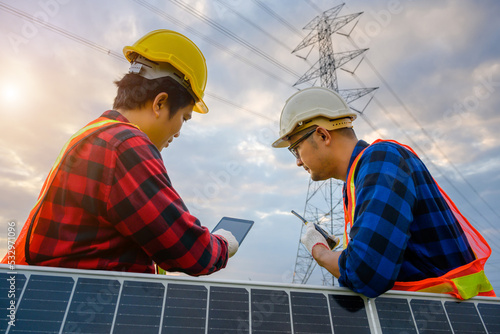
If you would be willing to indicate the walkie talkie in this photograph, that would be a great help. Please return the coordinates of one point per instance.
(331, 240)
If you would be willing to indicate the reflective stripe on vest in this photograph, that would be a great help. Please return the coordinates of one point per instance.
(21, 246)
(463, 282)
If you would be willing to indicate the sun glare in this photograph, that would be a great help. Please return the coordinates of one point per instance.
(10, 93)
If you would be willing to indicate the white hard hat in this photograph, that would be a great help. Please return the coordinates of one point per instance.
(313, 106)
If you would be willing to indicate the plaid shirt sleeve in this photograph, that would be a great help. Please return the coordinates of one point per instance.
(385, 197)
(146, 209)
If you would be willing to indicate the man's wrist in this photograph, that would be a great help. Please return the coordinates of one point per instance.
(319, 244)
(318, 252)
(327, 259)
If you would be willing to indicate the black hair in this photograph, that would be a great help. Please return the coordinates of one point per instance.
(135, 91)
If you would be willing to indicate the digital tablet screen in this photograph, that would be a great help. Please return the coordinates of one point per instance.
(238, 227)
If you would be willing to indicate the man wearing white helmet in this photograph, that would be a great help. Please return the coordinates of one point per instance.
(401, 230)
(108, 202)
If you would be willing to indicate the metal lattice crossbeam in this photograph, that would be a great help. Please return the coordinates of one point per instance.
(336, 61)
(351, 95)
(334, 24)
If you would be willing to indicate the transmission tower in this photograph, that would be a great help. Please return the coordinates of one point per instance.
(324, 201)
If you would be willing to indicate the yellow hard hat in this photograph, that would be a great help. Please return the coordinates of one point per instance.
(188, 66)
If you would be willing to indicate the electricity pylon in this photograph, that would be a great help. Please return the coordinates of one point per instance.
(324, 201)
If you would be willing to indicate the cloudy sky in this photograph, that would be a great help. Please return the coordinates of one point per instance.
(437, 66)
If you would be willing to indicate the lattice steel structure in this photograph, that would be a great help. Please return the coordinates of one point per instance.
(324, 201)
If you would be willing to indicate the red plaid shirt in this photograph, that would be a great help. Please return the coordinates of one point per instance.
(112, 206)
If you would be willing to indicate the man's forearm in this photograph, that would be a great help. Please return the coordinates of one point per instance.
(327, 259)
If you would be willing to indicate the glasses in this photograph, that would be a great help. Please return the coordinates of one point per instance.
(293, 148)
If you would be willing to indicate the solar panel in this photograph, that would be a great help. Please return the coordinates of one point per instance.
(430, 316)
(464, 317)
(490, 313)
(139, 308)
(185, 309)
(310, 313)
(93, 306)
(228, 310)
(43, 305)
(349, 314)
(55, 300)
(270, 311)
(395, 315)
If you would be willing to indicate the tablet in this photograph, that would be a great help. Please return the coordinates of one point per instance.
(238, 227)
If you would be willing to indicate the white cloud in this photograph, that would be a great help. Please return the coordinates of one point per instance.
(15, 173)
(256, 153)
(264, 215)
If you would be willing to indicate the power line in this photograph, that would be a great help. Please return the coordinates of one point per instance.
(279, 18)
(313, 5)
(61, 31)
(256, 26)
(226, 101)
(371, 125)
(209, 40)
(193, 11)
(109, 52)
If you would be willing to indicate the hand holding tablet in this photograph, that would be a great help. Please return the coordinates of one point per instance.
(238, 227)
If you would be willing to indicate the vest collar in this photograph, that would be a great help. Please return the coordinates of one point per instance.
(360, 146)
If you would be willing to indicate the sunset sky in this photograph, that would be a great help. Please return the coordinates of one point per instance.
(436, 63)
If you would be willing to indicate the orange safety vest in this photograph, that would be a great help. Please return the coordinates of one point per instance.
(463, 282)
(21, 247)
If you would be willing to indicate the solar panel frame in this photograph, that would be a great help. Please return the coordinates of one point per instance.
(283, 291)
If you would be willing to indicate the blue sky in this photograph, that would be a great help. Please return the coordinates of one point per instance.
(437, 65)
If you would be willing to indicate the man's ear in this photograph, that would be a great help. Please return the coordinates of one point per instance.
(159, 102)
(324, 135)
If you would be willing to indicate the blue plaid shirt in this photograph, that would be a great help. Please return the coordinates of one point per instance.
(403, 230)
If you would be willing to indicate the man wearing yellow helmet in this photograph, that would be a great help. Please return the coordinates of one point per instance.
(108, 202)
